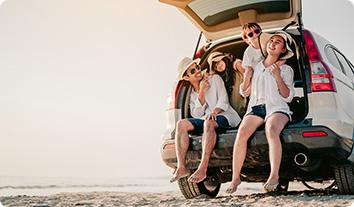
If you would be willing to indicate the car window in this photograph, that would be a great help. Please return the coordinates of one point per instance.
(331, 56)
(348, 70)
(213, 12)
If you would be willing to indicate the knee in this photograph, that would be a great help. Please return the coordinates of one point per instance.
(271, 131)
(209, 125)
(243, 133)
(183, 125)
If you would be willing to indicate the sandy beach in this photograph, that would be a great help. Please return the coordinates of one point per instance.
(59, 192)
(93, 199)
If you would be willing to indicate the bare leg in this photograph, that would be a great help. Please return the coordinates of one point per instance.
(273, 127)
(248, 126)
(182, 144)
(208, 143)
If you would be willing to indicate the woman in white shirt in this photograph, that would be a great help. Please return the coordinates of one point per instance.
(270, 90)
(222, 65)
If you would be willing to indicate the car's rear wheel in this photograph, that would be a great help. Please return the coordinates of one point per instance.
(210, 187)
(283, 186)
(344, 176)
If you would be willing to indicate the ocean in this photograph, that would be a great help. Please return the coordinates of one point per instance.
(42, 186)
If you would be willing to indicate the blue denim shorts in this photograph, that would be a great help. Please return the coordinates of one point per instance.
(198, 124)
(260, 111)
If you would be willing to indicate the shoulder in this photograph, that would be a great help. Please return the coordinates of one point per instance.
(214, 77)
(286, 69)
(249, 49)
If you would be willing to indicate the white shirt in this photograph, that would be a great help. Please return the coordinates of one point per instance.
(215, 97)
(263, 79)
(251, 57)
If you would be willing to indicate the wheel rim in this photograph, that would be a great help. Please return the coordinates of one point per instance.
(328, 186)
(211, 184)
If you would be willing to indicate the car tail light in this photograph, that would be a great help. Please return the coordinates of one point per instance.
(199, 53)
(172, 98)
(314, 134)
(321, 76)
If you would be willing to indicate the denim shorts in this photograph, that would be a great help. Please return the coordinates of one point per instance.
(260, 111)
(198, 124)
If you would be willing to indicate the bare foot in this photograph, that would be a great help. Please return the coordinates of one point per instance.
(271, 184)
(198, 176)
(233, 186)
(178, 174)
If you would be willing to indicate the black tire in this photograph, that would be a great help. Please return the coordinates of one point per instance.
(209, 187)
(283, 186)
(344, 176)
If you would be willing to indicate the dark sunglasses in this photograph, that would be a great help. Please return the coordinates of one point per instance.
(254, 32)
(194, 70)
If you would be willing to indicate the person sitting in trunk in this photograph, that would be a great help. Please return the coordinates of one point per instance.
(210, 109)
(221, 64)
(270, 91)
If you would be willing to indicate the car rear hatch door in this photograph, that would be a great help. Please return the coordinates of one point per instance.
(222, 18)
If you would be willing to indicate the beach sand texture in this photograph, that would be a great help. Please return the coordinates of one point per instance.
(96, 199)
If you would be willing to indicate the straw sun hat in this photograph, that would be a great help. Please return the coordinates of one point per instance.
(265, 37)
(184, 65)
(215, 57)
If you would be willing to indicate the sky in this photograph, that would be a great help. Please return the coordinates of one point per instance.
(84, 83)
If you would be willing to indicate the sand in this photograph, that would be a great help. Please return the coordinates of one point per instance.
(93, 199)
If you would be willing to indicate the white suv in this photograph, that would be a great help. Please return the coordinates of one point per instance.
(317, 143)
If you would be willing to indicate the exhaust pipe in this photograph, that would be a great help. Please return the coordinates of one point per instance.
(301, 159)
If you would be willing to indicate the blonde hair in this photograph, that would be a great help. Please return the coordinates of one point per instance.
(251, 25)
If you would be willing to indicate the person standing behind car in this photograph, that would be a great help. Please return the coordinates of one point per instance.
(221, 64)
(210, 109)
(270, 91)
(252, 54)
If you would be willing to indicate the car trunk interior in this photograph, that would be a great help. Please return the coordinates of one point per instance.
(237, 47)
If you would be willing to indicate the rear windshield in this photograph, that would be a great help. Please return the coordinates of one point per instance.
(213, 12)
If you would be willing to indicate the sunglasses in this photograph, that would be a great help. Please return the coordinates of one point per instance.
(254, 32)
(194, 70)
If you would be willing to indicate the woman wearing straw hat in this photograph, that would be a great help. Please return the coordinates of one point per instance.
(270, 91)
(221, 64)
(210, 109)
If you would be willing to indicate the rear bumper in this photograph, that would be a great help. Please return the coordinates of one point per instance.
(331, 147)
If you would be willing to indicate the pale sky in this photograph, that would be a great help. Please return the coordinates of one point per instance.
(84, 83)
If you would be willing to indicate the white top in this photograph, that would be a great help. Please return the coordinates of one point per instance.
(215, 97)
(251, 57)
(263, 79)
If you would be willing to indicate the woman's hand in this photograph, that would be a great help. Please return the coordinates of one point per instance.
(211, 116)
(275, 70)
(204, 85)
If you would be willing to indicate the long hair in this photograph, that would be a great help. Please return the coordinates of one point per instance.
(227, 75)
